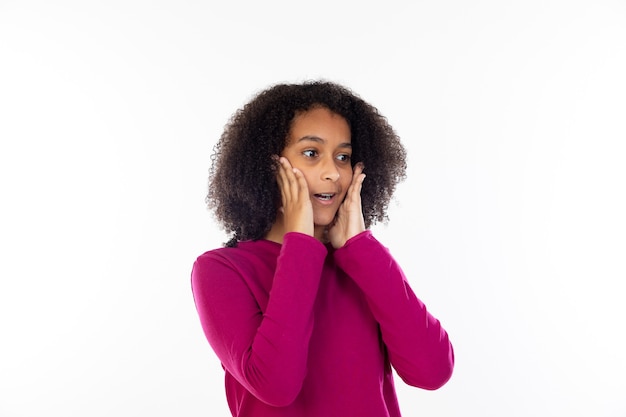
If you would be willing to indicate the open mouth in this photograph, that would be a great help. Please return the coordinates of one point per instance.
(324, 196)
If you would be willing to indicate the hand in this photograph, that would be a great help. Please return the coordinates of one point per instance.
(349, 220)
(296, 207)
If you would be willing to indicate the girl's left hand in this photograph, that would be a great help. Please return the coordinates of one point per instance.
(349, 220)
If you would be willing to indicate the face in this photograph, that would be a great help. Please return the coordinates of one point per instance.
(319, 145)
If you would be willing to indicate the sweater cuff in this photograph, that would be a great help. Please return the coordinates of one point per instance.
(303, 239)
(366, 234)
(362, 254)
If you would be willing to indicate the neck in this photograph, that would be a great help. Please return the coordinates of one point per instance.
(277, 231)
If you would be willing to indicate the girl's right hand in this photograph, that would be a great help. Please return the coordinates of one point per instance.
(296, 207)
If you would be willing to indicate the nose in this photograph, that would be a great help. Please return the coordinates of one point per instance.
(329, 171)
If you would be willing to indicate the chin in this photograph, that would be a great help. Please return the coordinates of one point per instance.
(323, 221)
(324, 216)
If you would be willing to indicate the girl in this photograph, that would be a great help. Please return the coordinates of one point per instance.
(305, 309)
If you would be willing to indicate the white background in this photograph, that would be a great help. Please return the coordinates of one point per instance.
(510, 226)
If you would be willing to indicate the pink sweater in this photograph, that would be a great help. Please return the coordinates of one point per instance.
(302, 329)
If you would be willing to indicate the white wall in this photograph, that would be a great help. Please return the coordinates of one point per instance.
(510, 226)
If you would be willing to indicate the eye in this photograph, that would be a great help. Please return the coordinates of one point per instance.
(310, 153)
(344, 157)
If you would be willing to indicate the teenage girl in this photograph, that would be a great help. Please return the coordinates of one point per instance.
(305, 309)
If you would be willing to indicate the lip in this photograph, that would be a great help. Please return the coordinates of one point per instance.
(325, 201)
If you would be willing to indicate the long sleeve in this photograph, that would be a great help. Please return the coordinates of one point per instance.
(265, 351)
(418, 346)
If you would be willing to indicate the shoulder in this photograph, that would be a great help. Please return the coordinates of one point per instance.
(247, 250)
(246, 260)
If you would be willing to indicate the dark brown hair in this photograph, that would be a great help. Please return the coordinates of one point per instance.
(243, 192)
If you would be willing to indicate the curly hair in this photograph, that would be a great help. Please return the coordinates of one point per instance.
(243, 191)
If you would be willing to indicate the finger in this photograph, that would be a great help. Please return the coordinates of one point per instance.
(291, 182)
(358, 173)
(303, 187)
(291, 179)
(354, 190)
(283, 182)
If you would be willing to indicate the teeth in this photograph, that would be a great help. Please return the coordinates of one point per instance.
(324, 196)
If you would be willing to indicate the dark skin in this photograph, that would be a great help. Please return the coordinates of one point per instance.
(243, 190)
(320, 191)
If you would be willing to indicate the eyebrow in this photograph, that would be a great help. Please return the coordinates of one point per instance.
(320, 140)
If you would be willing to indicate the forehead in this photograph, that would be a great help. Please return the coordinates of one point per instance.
(320, 122)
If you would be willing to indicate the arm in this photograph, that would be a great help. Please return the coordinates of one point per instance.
(418, 346)
(265, 352)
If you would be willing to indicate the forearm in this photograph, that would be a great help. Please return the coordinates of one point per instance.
(419, 348)
(265, 349)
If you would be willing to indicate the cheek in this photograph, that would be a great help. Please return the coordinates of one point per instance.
(305, 170)
(307, 176)
(346, 178)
